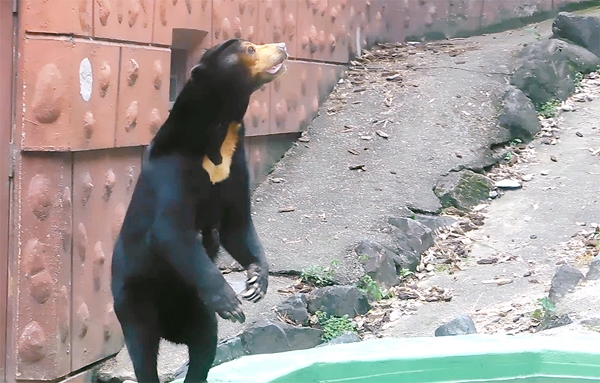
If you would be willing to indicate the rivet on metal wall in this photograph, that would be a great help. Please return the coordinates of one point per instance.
(135, 7)
(155, 121)
(64, 315)
(98, 265)
(83, 314)
(103, 11)
(118, 217)
(83, 16)
(332, 42)
(131, 116)
(87, 186)
(81, 241)
(120, 11)
(132, 72)
(104, 78)
(88, 125)
(32, 343)
(41, 286)
(162, 9)
(302, 113)
(237, 27)
(254, 109)
(158, 74)
(48, 96)
(129, 178)
(34, 254)
(108, 317)
(39, 197)
(109, 184)
(280, 112)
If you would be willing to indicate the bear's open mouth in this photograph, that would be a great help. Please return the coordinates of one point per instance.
(274, 69)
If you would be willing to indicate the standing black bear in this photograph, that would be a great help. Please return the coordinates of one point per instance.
(195, 179)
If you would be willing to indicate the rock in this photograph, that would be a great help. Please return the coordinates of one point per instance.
(181, 372)
(295, 308)
(412, 234)
(434, 222)
(347, 337)
(463, 189)
(508, 184)
(267, 336)
(546, 70)
(338, 301)
(460, 325)
(565, 279)
(410, 240)
(594, 270)
(553, 321)
(581, 30)
(227, 350)
(118, 374)
(518, 114)
(378, 263)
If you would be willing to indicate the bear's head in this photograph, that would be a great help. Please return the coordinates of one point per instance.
(242, 65)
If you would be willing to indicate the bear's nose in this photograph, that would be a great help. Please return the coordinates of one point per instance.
(281, 47)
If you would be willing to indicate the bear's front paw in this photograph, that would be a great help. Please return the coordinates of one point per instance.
(256, 284)
(228, 306)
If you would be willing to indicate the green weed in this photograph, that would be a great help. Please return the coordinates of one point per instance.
(405, 273)
(549, 109)
(373, 291)
(319, 275)
(442, 268)
(578, 78)
(546, 308)
(515, 142)
(363, 258)
(333, 326)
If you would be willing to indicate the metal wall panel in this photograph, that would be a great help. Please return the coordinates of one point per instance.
(43, 275)
(69, 93)
(103, 182)
(57, 16)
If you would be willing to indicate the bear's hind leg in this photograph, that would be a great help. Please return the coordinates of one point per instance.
(140, 330)
(202, 348)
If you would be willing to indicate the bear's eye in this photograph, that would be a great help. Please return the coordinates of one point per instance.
(251, 50)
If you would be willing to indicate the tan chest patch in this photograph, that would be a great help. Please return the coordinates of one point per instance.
(218, 173)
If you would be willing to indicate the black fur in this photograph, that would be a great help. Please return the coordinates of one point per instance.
(164, 281)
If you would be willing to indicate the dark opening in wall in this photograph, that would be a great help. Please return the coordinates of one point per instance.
(186, 50)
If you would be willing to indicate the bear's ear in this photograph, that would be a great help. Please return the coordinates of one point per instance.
(197, 69)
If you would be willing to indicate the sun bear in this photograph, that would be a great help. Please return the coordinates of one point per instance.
(194, 180)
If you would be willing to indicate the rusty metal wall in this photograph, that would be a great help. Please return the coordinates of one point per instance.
(92, 90)
(6, 52)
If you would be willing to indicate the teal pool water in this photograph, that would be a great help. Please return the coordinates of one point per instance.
(470, 358)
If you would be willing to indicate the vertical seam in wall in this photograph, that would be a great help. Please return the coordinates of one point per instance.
(481, 14)
(118, 96)
(210, 26)
(72, 276)
(152, 21)
(93, 19)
